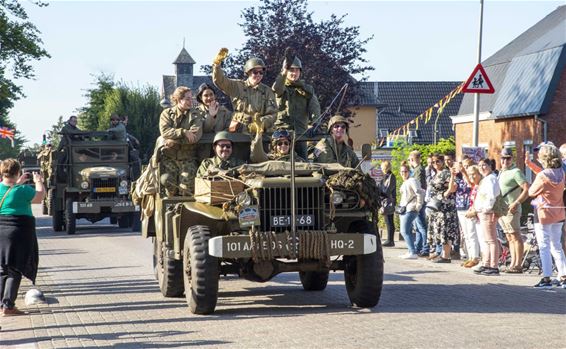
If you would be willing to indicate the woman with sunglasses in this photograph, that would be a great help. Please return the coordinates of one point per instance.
(251, 99)
(334, 147)
(297, 102)
(216, 117)
(280, 148)
(443, 220)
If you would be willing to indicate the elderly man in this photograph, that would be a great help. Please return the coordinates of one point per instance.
(253, 102)
(514, 190)
(222, 160)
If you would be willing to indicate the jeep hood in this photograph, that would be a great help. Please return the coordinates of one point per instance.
(99, 171)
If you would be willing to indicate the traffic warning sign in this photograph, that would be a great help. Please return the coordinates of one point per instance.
(478, 82)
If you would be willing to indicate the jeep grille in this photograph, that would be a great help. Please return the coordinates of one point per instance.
(276, 202)
(104, 184)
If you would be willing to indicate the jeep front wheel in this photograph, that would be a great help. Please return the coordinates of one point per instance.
(314, 280)
(201, 271)
(169, 272)
(363, 274)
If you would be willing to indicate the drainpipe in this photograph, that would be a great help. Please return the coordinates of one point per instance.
(544, 128)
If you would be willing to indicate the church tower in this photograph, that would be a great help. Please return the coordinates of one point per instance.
(184, 69)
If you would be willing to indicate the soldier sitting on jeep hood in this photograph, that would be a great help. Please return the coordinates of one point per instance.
(334, 147)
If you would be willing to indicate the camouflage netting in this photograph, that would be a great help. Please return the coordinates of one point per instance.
(359, 182)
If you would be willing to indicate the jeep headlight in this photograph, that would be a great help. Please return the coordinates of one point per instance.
(337, 197)
(243, 199)
(121, 173)
(84, 185)
(124, 183)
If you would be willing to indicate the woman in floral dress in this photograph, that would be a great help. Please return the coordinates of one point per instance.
(443, 222)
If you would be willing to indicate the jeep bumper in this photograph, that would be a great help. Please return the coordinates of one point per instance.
(240, 246)
(99, 206)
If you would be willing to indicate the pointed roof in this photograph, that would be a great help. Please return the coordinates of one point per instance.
(184, 58)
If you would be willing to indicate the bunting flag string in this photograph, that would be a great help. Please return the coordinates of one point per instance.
(7, 133)
(426, 115)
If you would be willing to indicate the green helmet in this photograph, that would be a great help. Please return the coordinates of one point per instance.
(337, 119)
(252, 63)
(297, 63)
(222, 136)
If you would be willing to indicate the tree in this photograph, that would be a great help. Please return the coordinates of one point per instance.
(20, 44)
(53, 135)
(330, 52)
(89, 115)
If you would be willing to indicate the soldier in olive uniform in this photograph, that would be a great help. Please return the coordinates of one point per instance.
(223, 159)
(334, 147)
(44, 158)
(69, 130)
(118, 129)
(216, 117)
(181, 129)
(280, 148)
(253, 102)
(297, 102)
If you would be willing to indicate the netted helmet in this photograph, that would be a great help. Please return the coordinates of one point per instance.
(297, 63)
(337, 119)
(252, 63)
(222, 136)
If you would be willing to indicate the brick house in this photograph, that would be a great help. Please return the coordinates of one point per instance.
(529, 103)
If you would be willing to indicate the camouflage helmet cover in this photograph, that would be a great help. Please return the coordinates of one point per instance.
(337, 119)
(222, 136)
(252, 63)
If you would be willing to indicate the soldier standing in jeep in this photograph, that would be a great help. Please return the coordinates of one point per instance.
(253, 102)
(181, 129)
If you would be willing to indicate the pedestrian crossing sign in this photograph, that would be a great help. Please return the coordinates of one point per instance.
(478, 82)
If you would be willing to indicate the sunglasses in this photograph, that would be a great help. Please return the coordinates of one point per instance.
(257, 72)
(339, 126)
(437, 161)
(283, 143)
(224, 146)
(280, 134)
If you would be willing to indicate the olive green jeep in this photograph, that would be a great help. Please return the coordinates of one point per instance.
(252, 235)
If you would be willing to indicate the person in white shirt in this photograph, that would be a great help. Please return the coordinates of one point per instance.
(488, 191)
(411, 202)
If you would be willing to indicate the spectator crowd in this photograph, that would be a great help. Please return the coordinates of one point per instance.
(466, 210)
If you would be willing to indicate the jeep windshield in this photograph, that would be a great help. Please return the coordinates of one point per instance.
(99, 154)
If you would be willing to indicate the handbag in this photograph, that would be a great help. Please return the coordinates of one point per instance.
(433, 204)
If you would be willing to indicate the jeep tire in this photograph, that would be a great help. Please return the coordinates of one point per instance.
(124, 221)
(70, 219)
(363, 274)
(169, 272)
(314, 280)
(201, 271)
(56, 215)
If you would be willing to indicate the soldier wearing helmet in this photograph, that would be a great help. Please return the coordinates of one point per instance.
(297, 103)
(253, 102)
(280, 148)
(223, 159)
(216, 117)
(181, 129)
(334, 147)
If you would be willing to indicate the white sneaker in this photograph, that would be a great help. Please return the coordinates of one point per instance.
(408, 256)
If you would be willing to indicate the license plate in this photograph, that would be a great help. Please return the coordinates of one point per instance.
(303, 220)
(105, 190)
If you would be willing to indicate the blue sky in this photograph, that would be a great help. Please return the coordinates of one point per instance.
(137, 41)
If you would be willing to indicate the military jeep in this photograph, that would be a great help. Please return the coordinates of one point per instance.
(90, 178)
(252, 235)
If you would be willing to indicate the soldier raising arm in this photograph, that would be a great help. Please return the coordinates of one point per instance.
(253, 102)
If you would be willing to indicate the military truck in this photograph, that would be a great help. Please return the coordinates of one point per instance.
(29, 164)
(90, 178)
(252, 235)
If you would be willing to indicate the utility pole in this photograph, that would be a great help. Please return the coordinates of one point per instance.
(476, 123)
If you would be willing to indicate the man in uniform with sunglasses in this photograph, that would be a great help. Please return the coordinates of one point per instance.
(334, 147)
(222, 160)
(252, 101)
(298, 104)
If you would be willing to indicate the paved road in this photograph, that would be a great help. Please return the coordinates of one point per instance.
(102, 293)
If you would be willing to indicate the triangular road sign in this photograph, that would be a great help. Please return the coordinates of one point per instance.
(478, 82)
